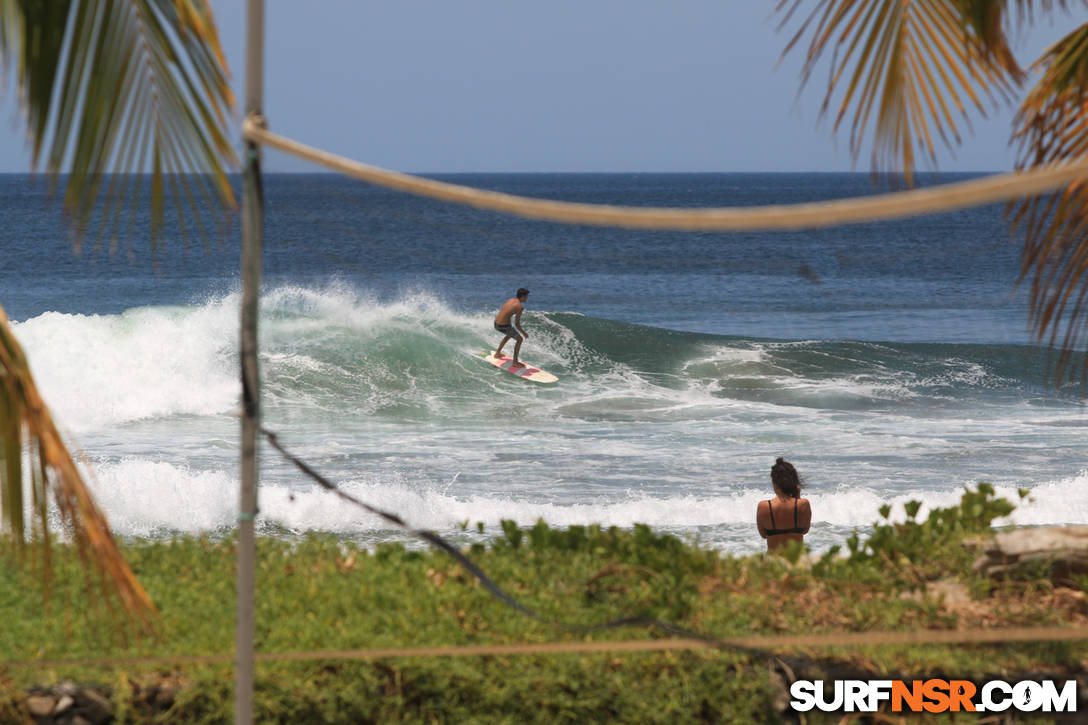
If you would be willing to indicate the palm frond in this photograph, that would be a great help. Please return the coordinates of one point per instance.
(111, 90)
(908, 70)
(1027, 11)
(27, 429)
(117, 88)
(992, 21)
(989, 20)
(1052, 126)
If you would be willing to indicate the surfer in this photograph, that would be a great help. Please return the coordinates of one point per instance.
(788, 504)
(512, 308)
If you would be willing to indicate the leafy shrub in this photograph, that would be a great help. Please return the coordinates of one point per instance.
(919, 549)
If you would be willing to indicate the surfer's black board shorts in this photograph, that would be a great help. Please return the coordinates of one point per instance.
(509, 330)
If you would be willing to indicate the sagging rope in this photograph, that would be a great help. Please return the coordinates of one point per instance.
(915, 202)
(481, 576)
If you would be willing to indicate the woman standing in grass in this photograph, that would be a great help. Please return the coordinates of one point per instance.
(774, 517)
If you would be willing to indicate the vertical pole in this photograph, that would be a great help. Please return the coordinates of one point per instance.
(252, 232)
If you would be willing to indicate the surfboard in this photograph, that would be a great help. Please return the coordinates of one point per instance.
(523, 370)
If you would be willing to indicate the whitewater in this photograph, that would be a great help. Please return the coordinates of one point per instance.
(647, 425)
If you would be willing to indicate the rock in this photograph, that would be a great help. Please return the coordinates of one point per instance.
(66, 687)
(1071, 601)
(166, 695)
(781, 692)
(1060, 552)
(41, 705)
(145, 693)
(954, 599)
(93, 706)
(781, 678)
(64, 704)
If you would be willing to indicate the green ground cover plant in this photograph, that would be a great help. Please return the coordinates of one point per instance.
(323, 593)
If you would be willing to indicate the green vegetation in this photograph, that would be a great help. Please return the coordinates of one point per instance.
(320, 593)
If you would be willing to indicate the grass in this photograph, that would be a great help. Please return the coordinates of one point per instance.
(320, 593)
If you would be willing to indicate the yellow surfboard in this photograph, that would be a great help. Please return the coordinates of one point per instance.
(523, 369)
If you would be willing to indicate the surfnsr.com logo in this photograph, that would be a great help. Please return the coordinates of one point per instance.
(934, 696)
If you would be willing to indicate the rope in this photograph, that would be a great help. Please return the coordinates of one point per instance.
(829, 639)
(916, 202)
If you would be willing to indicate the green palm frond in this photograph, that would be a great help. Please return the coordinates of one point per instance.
(987, 20)
(27, 430)
(1052, 126)
(991, 20)
(908, 70)
(114, 89)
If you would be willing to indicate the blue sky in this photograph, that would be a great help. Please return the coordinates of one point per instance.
(566, 85)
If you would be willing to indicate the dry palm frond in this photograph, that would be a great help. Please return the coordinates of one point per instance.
(111, 89)
(1052, 126)
(114, 89)
(910, 70)
(25, 424)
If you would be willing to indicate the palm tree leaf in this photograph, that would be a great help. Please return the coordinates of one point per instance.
(109, 74)
(42, 26)
(1051, 125)
(909, 71)
(11, 455)
(54, 473)
(111, 89)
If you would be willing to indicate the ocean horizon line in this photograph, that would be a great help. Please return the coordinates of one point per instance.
(856, 174)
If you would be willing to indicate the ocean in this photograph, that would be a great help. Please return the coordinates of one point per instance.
(888, 362)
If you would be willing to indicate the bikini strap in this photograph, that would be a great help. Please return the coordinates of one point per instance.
(795, 501)
(770, 510)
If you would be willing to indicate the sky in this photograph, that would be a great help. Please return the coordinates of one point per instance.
(434, 86)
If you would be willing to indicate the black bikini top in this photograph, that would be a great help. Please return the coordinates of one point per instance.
(775, 532)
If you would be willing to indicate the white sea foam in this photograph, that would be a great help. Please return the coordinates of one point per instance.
(1060, 501)
(102, 370)
(144, 498)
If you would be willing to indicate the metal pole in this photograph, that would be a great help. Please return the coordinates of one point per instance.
(252, 232)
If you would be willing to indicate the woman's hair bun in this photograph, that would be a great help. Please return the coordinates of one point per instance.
(784, 475)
